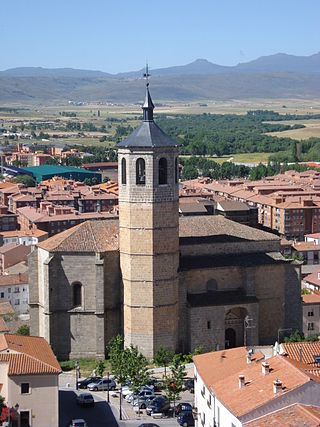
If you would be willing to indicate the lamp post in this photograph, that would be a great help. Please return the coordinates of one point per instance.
(108, 376)
(77, 373)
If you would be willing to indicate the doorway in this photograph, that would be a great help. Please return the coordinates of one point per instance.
(24, 419)
(230, 338)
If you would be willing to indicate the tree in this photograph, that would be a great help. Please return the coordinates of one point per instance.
(137, 370)
(27, 180)
(162, 358)
(23, 330)
(294, 337)
(174, 381)
(106, 179)
(100, 368)
(118, 362)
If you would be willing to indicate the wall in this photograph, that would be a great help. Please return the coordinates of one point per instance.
(42, 401)
(315, 318)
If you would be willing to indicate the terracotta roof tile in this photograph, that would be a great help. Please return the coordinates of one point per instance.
(32, 355)
(13, 279)
(308, 351)
(296, 415)
(311, 299)
(90, 236)
(6, 308)
(3, 326)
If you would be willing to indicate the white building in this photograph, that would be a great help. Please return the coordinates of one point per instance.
(233, 388)
(20, 237)
(15, 288)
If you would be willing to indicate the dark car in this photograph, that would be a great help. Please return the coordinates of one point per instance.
(182, 407)
(77, 423)
(189, 385)
(158, 405)
(85, 399)
(186, 419)
(148, 425)
(87, 381)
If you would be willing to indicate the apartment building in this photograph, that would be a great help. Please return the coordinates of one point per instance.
(55, 218)
(288, 203)
(237, 387)
(311, 314)
(29, 375)
(23, 237)
(15, 288)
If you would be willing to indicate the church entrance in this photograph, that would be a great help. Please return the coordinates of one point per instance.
(234, 327)
(230, 338)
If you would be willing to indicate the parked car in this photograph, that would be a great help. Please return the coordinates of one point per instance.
(186, 419)
(183, 407)
(144, 391)
(84, 383)
(85, 399)
(103, 384)
(189, 385)
(79, 422)
(142, 401)
(158, 404)
(148, 425)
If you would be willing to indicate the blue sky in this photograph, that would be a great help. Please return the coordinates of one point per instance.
(118, 35)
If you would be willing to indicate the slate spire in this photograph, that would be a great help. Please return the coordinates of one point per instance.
(148, 104)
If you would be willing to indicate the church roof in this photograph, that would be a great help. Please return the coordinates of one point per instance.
(148, 134)
(90, 236)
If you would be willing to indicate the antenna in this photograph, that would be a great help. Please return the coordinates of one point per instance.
(146, 75)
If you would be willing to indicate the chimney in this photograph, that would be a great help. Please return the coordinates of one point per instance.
(248, 357)
(265, 368)
(277, 386)
(241, 381)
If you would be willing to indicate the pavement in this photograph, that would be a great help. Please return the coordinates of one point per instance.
(104, 414)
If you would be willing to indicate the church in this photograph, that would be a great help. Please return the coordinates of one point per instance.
(157, 278)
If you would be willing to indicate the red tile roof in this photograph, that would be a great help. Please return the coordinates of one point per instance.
(3, 326)
(308, 351)
(6, 308)
(296, 415)
(27, 355)
(311, 299)
(13, 279)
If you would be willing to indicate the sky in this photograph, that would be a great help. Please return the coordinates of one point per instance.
(121, 35)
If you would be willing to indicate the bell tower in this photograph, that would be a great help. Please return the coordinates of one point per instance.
(149, 235)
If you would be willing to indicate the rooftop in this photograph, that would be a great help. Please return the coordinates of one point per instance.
(90, 236)
(291, 416)
(27, 355)
(6, 308)
(13, 279)
(311, 299)
(304, 350)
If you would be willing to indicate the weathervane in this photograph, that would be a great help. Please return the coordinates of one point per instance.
(146, 75)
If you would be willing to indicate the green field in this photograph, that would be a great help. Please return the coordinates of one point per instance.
(240, 157)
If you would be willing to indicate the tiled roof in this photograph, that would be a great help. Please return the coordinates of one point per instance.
(217, 225)
(233, 205)
(13, 279)
(90, 236)
(6, 308)
(306, 246)
(308, 351)
(313, 278)
(32, 355)
(311, 299)
(296, 415)
(3, 326)
(258, 389)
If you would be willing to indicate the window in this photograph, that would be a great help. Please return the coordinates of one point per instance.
(76, 289)
(162, 171)
(2, 295)
(140, 172)
(123, 171)
(310, 313)
(17, 302)
(25, 388)
(176, 170)
(208, 324)
(310, 326)
(9, 290)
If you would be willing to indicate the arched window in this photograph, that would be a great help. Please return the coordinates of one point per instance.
(162, 171)
(76, 294)
(123, 171)
(140, 172)
(176, 172)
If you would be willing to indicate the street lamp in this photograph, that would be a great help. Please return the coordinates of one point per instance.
(77, 373)
(108, 376)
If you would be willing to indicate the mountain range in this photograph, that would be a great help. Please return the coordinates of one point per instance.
(275, 76)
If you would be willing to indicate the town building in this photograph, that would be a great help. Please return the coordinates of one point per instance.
(29, 375)
(44, 172)
(8, 221)
(53, 219)
(23, 237)
(311, 314)
(12, 254)
(239, 386)
(107, 169)
(158, 279)
(15, 288)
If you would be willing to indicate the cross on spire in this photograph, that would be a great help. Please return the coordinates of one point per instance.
(146, 75)
(148, 104)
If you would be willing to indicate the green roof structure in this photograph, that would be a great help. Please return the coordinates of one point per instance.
(41, 173)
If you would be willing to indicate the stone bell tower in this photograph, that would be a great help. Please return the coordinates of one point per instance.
(149, 235)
